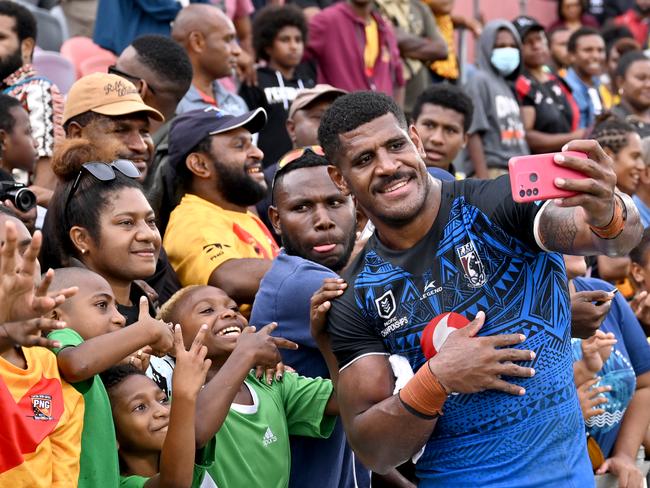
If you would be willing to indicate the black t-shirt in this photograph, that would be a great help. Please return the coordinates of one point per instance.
(275, 93)
(555, 110)
(480, 254)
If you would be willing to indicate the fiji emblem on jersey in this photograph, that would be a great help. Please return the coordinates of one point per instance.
(42, 407)
(472, 265)
(386, 305)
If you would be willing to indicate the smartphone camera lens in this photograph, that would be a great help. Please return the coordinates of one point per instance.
(529, 192)
(535, 191)
(533, 177)
(522, 193)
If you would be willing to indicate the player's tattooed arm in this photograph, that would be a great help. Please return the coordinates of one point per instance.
(566, 230)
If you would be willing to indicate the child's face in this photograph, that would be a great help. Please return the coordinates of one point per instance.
(140, 413)
(287, 47)
(92, 311)
(211, 306)
(20, 146)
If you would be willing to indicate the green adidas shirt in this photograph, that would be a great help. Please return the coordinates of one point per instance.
(253, 443)
(204, 460)
(99, 465)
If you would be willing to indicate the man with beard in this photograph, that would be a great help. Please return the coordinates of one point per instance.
(212, 238)
(39, 96)
(317, 225)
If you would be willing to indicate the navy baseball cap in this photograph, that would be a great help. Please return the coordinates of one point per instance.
(190, 128)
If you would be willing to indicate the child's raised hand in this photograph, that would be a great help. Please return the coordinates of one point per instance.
(32, 332)
(596, 350)
(19, 298)
(262, 346)
(191, 366)
(162, 337)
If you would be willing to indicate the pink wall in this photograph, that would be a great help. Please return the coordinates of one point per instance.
(542, 10)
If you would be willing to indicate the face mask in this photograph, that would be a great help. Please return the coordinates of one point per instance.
(505, 59)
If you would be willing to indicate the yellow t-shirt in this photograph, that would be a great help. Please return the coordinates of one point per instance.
(371, 51)
(42, 418)
(201, 236)
(609, 99)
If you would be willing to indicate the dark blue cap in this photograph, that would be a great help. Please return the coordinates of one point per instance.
(190, 128)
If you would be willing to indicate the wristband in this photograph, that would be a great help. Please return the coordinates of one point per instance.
(616, 225)
(424, 393)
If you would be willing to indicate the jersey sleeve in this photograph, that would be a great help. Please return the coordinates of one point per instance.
(634, 338)
(304, 405)
(67, 338)
(351, 335)
(494, 198)
(205, 457)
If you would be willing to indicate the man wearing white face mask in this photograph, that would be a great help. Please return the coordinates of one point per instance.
(497, 131)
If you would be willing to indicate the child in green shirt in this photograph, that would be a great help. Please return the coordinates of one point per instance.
(95, 340)
(252, 419)
(157, 446)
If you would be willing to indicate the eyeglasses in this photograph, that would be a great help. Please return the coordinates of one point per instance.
(103, 172)
(136, 80)
(294, 154)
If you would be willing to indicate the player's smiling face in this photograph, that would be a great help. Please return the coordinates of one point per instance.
(382, 165)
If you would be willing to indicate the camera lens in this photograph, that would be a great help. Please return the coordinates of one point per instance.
(533, 177)
(535, 191)
(529, 192)
(522, 193)
(24, 199)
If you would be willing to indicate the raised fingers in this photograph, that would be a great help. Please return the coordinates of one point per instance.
(282, 343)
(30, 256)
(199, 339)
(594, 151)
(8, 264)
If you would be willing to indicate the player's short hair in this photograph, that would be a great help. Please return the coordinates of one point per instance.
(351, 111)
(307, 160)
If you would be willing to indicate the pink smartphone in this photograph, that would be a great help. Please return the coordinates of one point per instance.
(532, 177)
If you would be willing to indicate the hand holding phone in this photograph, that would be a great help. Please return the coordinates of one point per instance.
(533, 177)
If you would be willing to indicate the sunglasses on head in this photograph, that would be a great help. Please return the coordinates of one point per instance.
(136, 80)
(294, 154)
(104, 172)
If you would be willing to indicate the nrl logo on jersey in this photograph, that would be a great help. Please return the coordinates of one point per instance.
(386, 305)
(472, 265)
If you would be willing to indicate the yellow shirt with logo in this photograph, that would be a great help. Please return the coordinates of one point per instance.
(371, 51)
(201, 236)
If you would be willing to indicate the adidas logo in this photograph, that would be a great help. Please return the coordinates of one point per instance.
(269, 437)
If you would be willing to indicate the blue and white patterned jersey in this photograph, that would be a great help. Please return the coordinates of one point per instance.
(480, 254)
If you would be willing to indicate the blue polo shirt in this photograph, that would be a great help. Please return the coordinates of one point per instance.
(284, 297)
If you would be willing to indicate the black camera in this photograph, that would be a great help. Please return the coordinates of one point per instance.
(22, 197)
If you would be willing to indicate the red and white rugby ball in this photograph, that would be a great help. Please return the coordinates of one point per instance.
(438, 329)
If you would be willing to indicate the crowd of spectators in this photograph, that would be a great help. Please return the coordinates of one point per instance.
(292, 221)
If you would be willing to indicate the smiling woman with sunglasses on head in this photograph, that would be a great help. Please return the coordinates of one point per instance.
(100, 218)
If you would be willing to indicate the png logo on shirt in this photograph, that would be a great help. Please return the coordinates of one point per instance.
(42, 407)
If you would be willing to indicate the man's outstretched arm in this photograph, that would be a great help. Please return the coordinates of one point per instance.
(587, 224)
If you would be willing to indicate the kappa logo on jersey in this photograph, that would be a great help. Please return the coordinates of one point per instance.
(438, 329)
(472, 265)
(386, 305)
(269, 437)
(42, 407)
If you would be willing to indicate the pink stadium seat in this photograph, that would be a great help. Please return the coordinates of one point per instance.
(97, 64)
(80, 49)
(56, 68)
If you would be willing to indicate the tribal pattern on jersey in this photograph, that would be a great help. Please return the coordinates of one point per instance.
(473, 264)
